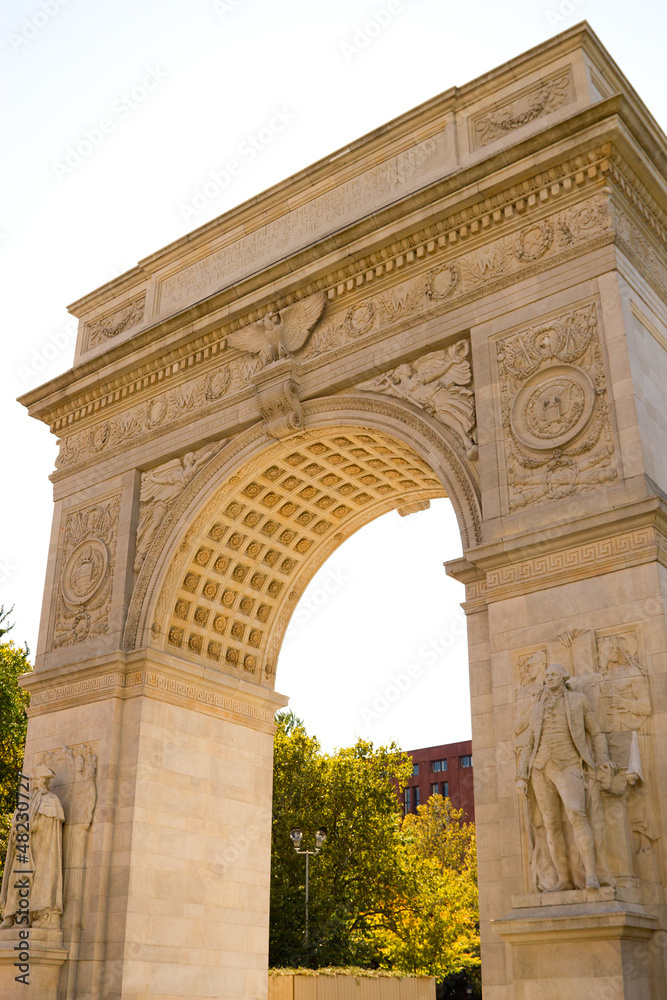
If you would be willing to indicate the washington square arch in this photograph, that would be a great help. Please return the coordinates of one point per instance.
(470, 302)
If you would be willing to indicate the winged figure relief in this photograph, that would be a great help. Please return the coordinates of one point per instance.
(159, 489)
(436, 382)
(280, 334)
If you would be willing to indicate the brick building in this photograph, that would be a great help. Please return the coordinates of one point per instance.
(444, 770)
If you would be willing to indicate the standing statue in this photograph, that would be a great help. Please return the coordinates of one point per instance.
(44, 857)
(554, 763)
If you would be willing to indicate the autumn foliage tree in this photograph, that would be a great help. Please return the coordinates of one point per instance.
(13, 724)
(351, 794)
(433, 927)
(384, 892)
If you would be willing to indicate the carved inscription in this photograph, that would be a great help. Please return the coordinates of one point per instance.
(84, 595)
(376, 187)
(536, 102)
(558, 437)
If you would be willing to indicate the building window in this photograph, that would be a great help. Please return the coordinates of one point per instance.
(415, 769)
(466, 761)
(407, 800)
(435, 788)
(438, 765)
(416, 791)
(445, 788)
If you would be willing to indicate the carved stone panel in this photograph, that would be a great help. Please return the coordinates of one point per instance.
(160, 488)
(440, 383)
(88, 556)
(557, 430)
(518, 110)
(605, 683)
(125, 317)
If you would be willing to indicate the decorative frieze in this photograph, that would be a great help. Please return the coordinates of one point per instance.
(463, 278)
(566, 563)
(490, 213)
(155, 679)
(558, 437)
(88, 555)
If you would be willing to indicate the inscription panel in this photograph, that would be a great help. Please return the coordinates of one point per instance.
(373, 189)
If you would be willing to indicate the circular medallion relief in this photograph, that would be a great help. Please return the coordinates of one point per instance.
(85, 571)
(553, 407)
(217, 383)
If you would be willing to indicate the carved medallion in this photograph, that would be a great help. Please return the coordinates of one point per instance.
(217, 383)
(534, 241)
(558, 435)
(553, 407)
(84, 594)
(442, 281)
(85, 571)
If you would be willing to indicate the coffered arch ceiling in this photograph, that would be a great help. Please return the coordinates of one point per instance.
(221, 595)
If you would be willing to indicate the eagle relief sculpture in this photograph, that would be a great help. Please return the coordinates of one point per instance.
(280, 334)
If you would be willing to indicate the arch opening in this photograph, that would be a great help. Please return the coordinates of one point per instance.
(231, 580)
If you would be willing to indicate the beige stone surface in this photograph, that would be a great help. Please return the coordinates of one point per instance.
(489, 273)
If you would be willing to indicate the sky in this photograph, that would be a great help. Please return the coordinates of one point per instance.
(159, 95)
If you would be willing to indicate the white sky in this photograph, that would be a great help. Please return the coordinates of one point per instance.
(219, 69)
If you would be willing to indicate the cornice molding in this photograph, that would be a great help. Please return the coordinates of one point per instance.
(631, 536)
(476, 224)
(441, 239)
(164, 678)
(482, 214)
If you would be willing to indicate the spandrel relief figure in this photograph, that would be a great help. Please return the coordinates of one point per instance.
(562, 763)
(160, 488)
(45, 858)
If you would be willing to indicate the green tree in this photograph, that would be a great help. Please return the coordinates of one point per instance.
(13, 723)
(434, 928)
(350, 793)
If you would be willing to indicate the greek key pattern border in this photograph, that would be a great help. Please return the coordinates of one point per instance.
(605, 555)
(149, 682)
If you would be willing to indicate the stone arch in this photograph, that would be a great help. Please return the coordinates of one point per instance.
(231, 559)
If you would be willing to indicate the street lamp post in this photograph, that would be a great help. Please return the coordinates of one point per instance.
(297, 836)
